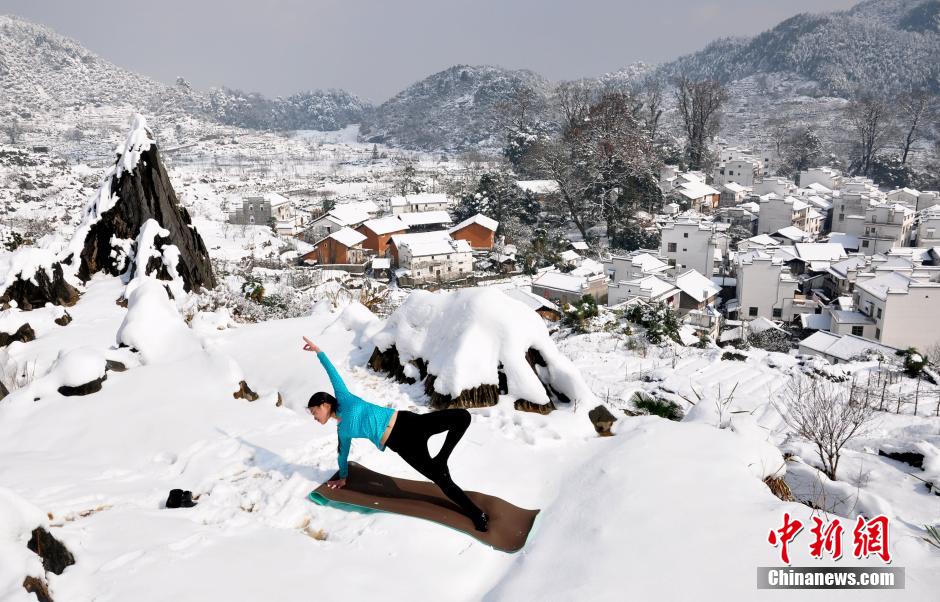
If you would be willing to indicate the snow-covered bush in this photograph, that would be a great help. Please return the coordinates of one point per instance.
(578, 314)
(659, 320)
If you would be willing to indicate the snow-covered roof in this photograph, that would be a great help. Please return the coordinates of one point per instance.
(538, 186)
(347, 237)
(734, 187)
(764, 240)
(559, 281)
(589, 267)
(416, 237)
(275, 199)
(421, 218)
(792, 233)
(569, 255)
(850, 317)
(529, 298)
(848, 241)
(648, 263)
(761, 324)
(815, 321)
(381, 263)
(580, 245)
(798, 205)
(385, 225)
(696, 190)
(349, 215)
(891, 282)
(487, 222)
(820, 251)
(422, 198)
(697, 286)
(655, 285)
(843, 347)
(819, 188)
(841, 269)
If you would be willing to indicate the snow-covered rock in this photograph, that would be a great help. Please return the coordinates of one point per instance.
(464, 335)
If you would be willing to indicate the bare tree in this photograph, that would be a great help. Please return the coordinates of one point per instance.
(699, 104)
(13, 129)
(650, 95)
(870, 120)
(914, 108)
(574, 99)
(828, 414)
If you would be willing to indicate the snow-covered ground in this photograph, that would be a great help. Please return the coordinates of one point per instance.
(662, 510)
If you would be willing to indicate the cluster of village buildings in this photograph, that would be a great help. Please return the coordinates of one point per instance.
(834, 261)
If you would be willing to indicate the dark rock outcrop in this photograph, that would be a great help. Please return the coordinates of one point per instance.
(536, 408)
(602, 420)
(55, 556)
(36, 292)
(64, 320)
(245, 392)
(24, 334)
(35, 585)
(915, 459)
(145, 193)
(114, 366)
(90, 387)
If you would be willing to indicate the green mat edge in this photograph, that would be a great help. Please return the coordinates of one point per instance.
(321, 500)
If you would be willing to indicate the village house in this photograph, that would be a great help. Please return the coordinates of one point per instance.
(349, 215)
(569, 288)
(778, 186)
(732, 194)
(651, 289)
(478, 230)
(901, 307)
(739, 220)
(429, 257)
(697, 244)
(742, 170)
(764, 285)
(424, 221)
(928, 227)
(697, 195)
(780, 212)
(341, 248)
(379, 231)
(424, 201)
(698, 292)
(637, 264)
(886, 226)
(261, 210)
(841, 348)
(825, 176)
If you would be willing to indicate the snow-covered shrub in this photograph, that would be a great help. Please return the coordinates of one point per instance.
(578, 314)
(657, 407)
(659, 320)
(771, 339)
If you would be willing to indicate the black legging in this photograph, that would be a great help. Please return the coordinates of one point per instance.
(409, 438)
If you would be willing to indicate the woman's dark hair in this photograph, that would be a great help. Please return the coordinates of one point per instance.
(321, 397)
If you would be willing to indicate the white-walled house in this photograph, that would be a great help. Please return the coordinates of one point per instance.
(423, 259)
(777, 213)
(928, 228)
(652, 289)
(886, 226)
(827, 176)
(764, 284)
(637, 264)
(742, 170)
(696, 244)
(423, 201)
(904, 308)
(779, 186)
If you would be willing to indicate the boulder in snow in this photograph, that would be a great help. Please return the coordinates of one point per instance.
(24, 334)
(459, 342)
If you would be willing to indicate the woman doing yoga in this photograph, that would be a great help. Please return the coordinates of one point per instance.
(404, 432)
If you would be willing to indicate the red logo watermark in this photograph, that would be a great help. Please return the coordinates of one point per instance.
(868, 537)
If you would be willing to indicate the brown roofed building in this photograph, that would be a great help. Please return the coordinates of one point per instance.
(341, 247)
(379, 231)
(479, 231)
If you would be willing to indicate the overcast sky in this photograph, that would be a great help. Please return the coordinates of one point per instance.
(375, 48)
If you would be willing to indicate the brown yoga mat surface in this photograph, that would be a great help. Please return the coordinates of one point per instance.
(509, 525)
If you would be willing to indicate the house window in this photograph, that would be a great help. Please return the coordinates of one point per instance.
(865, 243)
(879, 313)
(841, 218)
(671, 247)
(685, 235)
(777, 312)
(878, 333)
(858, 330)
(752, 311)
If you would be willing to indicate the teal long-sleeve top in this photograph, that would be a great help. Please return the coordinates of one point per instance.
(358, 417)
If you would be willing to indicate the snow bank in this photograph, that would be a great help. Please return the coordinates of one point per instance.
(18, 518)
(24, 263)
(153, 325)
(464, 335)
